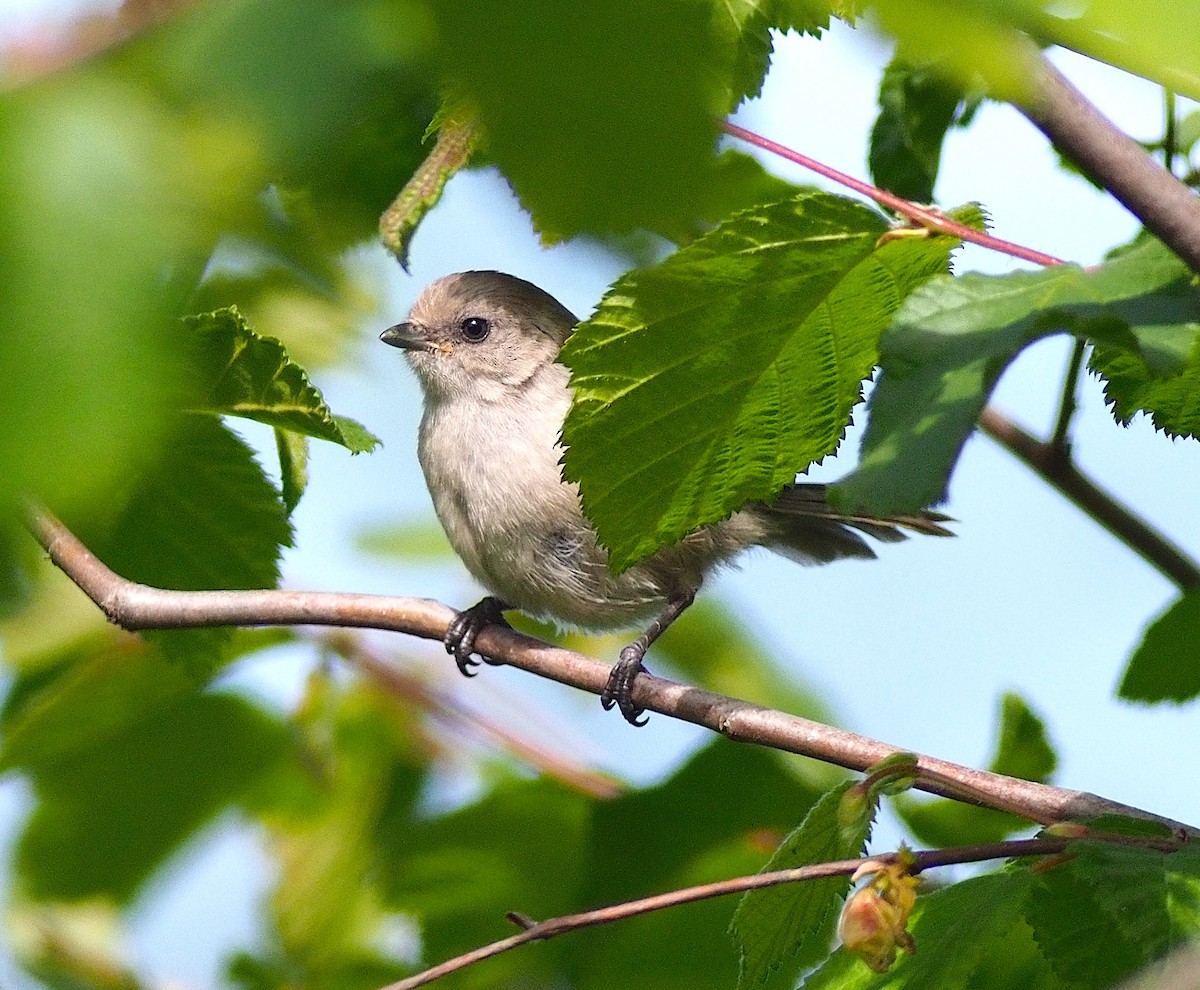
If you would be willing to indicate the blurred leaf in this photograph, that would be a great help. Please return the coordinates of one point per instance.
(1107, 896)
(972, 42)
(792, 923)
(1159, 40)
(416, 539)
(954, 337)
(1166, 664)
(632, 123)
(627, 857)
(235, 528)
(244, 374)
(520, 847)
(1022, 750)
(965, 935)
(917, 106)
(680, 832)
(107, 815)
(92, 691)
(356, 783)
(92, 278)
(715, 377)
(334, 97)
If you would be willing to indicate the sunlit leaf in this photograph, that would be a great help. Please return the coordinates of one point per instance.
(791, 924)
(718, 375)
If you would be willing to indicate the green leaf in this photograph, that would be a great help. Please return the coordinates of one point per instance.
(418, 539)
(742, 29)
(793, 922)
(93, 690)
(202, 516)
(1166, 664)
(460, 888)
(718, 375)
(108, 815)
(1022, 750)
(627, 857)
(331, 98)
(243, 374)
(1114, 897)
(622, 138)
(917, 106)
(1132, 386)
(101, 193)
(954, 337)
(1157, 40)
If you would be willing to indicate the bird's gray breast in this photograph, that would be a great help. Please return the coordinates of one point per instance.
(494, 475)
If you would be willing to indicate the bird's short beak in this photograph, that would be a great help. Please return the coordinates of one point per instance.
(405, 335)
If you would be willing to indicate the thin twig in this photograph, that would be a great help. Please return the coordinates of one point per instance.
(1067, 403)
(1154, 548)
(88, 36)
(924, 215)
(541, 931)
(135, 606)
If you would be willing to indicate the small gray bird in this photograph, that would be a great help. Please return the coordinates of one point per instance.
(484, 346)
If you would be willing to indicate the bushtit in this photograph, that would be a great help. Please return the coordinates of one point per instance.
(484, 346)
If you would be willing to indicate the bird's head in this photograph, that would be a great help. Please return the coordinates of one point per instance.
(481, 333)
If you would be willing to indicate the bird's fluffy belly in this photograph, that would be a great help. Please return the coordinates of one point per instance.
(520, 529)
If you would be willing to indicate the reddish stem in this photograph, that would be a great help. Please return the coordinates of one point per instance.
(924, 215)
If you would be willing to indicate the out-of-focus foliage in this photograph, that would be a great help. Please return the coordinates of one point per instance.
(176, 213)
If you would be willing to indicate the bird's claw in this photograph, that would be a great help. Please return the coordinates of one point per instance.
(618, 691)
(462, 631)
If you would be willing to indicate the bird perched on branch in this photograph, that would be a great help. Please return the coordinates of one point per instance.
(484, 346)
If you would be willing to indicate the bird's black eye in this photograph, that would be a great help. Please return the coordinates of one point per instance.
(474, 329)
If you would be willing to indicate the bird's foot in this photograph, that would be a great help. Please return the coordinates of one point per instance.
(460, 635)
(619, 689)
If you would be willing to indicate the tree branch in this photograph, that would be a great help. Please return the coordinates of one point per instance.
(1051, 462)
(135, 606)
(921, 861)
(1108, 156)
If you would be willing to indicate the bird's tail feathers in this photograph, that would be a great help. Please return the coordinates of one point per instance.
(809, 530)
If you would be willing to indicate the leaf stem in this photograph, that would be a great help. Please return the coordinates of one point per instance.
(1170, 131)
(924, 215)
(1068, 403)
